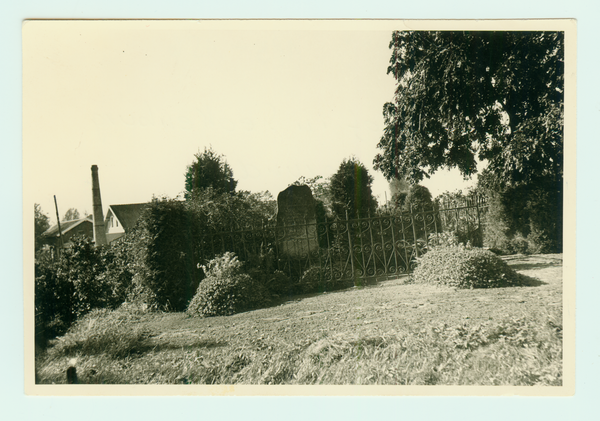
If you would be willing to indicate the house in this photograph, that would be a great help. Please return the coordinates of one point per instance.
(69, 230)
(120, 219)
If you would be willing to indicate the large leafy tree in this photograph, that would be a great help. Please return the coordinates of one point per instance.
(209, 170)
(463, 96)
(350, 190)
(493, 96)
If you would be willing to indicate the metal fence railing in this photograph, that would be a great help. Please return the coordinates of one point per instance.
(375, 247)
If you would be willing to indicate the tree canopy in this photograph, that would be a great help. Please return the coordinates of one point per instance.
(71, 215)
(418, 199)
(41, 224)
(351, 191)
(468, 96)
(209, 170)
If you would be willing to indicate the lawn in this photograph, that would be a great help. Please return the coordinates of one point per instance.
(390, 333)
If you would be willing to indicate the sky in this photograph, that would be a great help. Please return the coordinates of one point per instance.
(140, 98)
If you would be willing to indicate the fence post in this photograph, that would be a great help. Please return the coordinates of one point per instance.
(385, 261)
(373, 255)
(425, 225)
(350, 248)
(412, 222)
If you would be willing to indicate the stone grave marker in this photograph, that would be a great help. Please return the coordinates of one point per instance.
(296, 221)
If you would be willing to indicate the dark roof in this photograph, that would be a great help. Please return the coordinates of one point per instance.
(128, 214)
(65, 226)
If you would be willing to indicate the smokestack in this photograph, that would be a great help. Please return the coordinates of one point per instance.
(99, 234)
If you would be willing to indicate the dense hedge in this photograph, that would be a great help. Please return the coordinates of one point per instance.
(163, 253)
(462, 267)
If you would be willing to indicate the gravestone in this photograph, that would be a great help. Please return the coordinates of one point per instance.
(297, 222)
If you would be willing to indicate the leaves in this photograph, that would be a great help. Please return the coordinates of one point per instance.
(463, 96)
(350, 189)
(209, 170)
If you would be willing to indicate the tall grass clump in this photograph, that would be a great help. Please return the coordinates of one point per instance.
(114, 333)
(462, 267)
(226, 290)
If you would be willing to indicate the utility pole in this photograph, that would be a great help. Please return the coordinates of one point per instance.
(58, 249)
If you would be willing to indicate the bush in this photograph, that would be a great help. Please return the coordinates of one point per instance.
(163, 253)
(279, 283)
(83, 278)
(462, 267)
(226, 290)
(54, 304)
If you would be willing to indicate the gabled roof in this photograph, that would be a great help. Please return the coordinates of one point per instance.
(65, 226)
(128, 214)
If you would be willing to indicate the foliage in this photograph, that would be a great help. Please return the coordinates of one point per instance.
(71, 214)
(443, 239)
(464, 220)
(350, 189)
(80, 280)
(209, 170)
(164, 253)
(114, 333)
(523, 219)
(399, 190)
(418, 199)
(279, 284)
(463, 267)
(218, 212)
(215, 213)
(54, 302)
(226, 290)
(312, 281)
(321, 190)
(41, 224)
(491, 95)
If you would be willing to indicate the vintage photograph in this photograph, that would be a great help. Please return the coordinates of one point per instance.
(268, 204)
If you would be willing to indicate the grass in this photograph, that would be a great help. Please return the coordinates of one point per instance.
(391, 333)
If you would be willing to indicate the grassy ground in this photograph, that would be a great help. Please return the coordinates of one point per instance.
(390, 333)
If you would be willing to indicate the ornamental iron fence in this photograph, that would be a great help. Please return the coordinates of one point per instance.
(360, 250)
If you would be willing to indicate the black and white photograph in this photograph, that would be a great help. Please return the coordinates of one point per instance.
(299, 207)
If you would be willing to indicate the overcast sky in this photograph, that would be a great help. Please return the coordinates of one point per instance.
(140, 98)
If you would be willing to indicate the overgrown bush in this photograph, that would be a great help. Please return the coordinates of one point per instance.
(226, 290)
(54, 304)
(163, 253)
(463, 267)
(524, 219)
(80, 280)
(278, 283)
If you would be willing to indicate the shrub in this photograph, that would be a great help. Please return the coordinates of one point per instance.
(226, 290)
(163, 253)
(54, 303)
(83, 278)
(279, 283)
(312, 281)
(462, 267)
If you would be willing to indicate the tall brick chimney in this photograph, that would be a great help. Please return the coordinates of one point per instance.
(99, 234)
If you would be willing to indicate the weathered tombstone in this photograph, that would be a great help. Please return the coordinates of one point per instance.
(296, 221)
